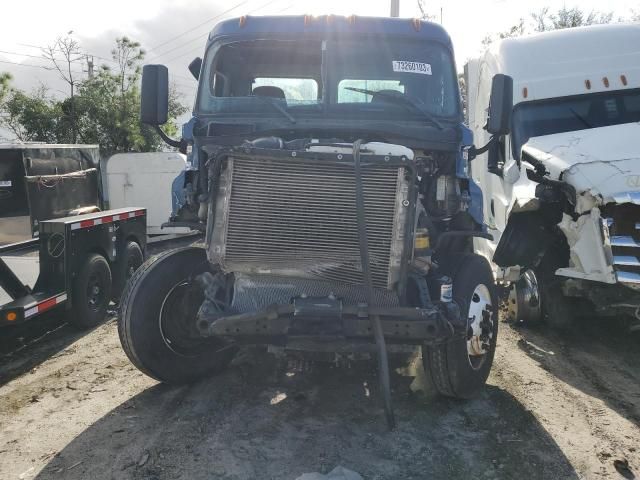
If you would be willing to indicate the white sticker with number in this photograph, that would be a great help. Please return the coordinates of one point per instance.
(411, 67)
(5, 183)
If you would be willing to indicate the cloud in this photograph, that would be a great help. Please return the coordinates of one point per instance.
(190, 23)
(173, 37)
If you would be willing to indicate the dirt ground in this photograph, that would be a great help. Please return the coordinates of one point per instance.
(556, 407)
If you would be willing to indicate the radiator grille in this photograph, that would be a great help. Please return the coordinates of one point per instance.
(623, 222)
(253, 293)
(297, 218)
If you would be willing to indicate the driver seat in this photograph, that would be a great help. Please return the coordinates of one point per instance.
(268, 91)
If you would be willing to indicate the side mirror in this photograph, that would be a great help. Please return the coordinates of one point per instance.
(154, 104)
(195, 66)
(500, 105)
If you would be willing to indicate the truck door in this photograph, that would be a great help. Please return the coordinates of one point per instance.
(488, 169)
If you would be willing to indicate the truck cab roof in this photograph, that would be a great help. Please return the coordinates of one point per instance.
(568, 62)
(329, 26)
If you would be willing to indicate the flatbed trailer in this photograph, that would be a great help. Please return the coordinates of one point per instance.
(84, 263)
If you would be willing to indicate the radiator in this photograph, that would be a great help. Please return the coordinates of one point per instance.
(297, 218)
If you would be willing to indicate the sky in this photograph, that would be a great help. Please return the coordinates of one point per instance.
(174, 31)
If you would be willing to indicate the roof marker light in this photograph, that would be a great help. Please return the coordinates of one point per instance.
(525, 92)
(605, 81)
(351, 19)
(307, 19)
(243, 21)
(623, 79)
(417, 24)
(587, 83)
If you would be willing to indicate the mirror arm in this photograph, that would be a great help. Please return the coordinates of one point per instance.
(474, 152)
(179, 144)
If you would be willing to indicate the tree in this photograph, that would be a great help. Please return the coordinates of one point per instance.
(424, 15)
(110, 103)
(102, 109)
(34, 117)
(71, 53)
(568, 18)
(5, 79)
(516, 30)
(543, 20)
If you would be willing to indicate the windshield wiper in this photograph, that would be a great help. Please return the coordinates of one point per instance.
(401, 99)
(275, 103)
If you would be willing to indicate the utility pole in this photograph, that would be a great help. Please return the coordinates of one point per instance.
(90, 64)
(395, 8)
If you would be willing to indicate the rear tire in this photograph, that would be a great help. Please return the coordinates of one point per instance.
(91, 293)
(460, 367)
(556, 308)
(132, 259)
(157, 323)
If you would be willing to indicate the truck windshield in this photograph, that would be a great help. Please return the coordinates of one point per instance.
(237, 74)
(568, 114)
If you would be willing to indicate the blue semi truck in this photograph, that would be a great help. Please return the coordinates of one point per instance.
(329, 170)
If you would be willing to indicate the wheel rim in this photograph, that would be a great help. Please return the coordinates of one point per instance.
(132, 266)
(177, 321)
(95, 292)
(479, 326)
(524, 302)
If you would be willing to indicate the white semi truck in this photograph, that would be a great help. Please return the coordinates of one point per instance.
(562, 190)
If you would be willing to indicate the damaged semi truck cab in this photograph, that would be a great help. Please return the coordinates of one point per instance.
(562, 190)
(328, 169)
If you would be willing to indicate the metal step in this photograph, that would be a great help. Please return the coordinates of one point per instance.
(624, 241)
(628, 277)
(627, 260)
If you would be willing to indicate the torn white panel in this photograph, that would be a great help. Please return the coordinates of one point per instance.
(585, 202)
(590, 252)
(601, 161)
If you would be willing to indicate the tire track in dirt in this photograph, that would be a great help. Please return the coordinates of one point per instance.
(262, 419)
(577, 413)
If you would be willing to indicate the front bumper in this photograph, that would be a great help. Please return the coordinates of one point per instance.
(328, 320)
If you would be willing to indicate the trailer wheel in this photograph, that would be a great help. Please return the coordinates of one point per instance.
(460, 367)
(132, 258)
(91, 292)
(157, 323)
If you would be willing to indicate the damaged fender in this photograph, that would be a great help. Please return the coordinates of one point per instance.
(590, 249)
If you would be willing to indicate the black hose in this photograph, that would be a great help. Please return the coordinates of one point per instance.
(213, 176)
(448, 236)
(383, 360)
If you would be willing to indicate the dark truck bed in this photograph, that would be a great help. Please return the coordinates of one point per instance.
(41, 182)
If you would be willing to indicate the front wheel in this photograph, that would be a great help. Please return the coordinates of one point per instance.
(460, 367)
(157, 323)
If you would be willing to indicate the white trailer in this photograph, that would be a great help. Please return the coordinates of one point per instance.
(562, 190)
(144, 179)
